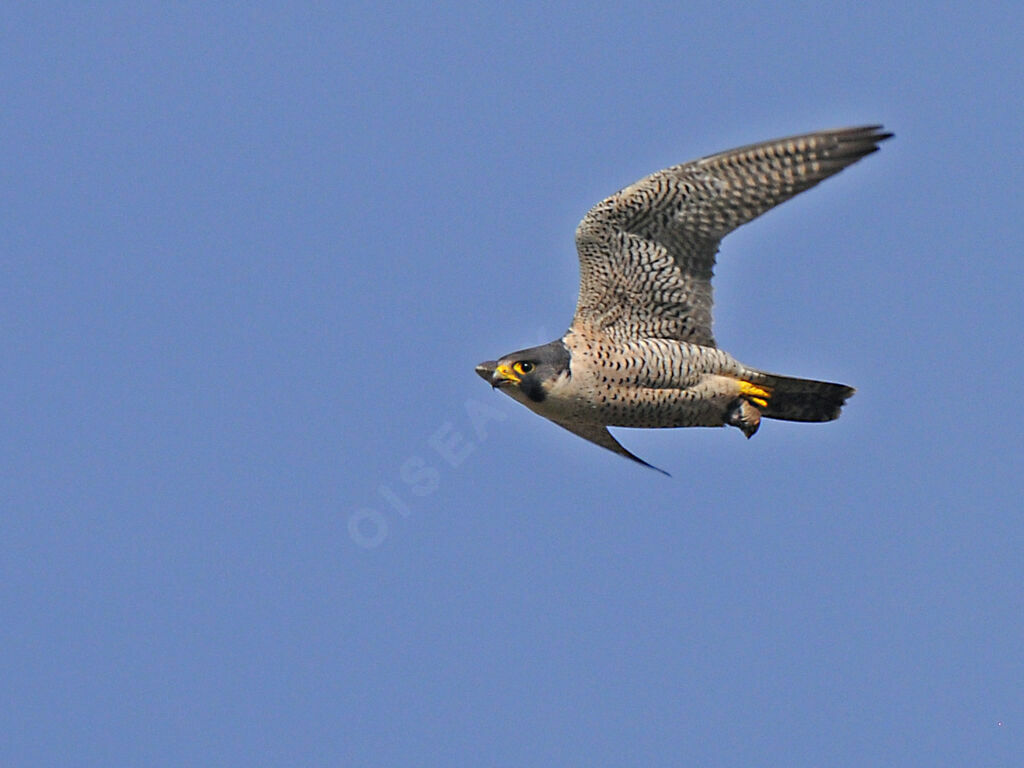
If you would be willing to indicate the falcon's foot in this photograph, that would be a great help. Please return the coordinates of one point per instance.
(743, 415)
(758, 395)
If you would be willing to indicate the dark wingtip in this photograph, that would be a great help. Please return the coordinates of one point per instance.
(638, 460)
(857, 142)
(629, 455)
(873, 132)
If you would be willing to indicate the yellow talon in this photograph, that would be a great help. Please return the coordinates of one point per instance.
(759, 396)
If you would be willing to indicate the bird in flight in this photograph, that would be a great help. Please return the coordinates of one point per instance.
(639, 351)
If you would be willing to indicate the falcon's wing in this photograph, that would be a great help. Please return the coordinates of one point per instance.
(599, 435)
(647, 252)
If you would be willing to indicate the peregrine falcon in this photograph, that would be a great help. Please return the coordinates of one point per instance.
(639, 351)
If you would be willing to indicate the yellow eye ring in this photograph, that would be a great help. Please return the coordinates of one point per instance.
(522, 367)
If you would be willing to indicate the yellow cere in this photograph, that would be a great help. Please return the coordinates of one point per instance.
(506, 372)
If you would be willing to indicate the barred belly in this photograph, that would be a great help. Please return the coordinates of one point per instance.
(649, 383)
(702, 405)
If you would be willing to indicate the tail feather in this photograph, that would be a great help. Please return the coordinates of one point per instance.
(801, 399)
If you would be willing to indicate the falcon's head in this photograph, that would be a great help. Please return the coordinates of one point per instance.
(529, 374)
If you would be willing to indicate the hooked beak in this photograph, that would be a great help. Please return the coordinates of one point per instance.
(496, 375)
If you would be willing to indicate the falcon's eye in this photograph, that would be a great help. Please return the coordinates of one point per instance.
(522, 367)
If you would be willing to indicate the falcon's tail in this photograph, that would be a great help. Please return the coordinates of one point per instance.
(792, 399)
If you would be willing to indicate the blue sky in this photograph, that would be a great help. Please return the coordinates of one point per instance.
(259, 510)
